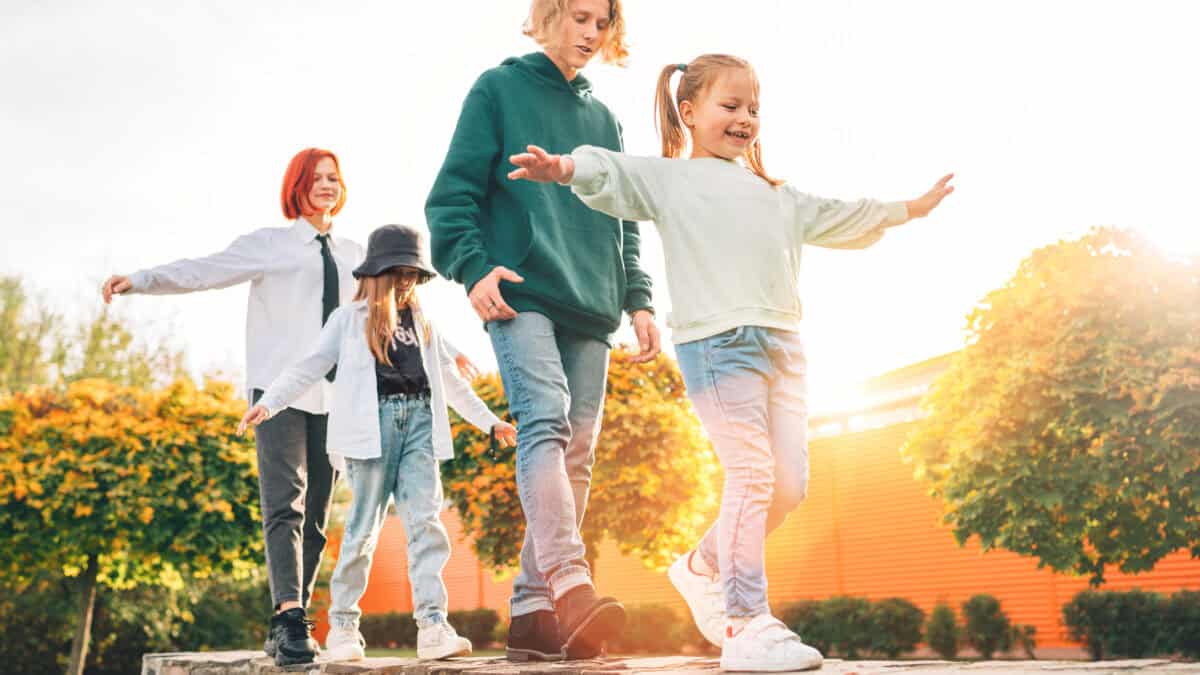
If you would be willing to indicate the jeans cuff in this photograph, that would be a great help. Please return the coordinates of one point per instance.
(537, 603)
(342, 622)
(435, 620)
(567, 577)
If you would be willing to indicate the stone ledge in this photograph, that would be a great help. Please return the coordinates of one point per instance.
(256, 663)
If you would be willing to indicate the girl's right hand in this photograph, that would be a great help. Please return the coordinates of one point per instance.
(116, 285)
(541, 167)
(921, 206)
(254, 416)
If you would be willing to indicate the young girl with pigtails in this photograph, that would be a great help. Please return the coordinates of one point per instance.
(732, 237)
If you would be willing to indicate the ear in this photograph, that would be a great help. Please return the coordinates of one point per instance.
(687, 113)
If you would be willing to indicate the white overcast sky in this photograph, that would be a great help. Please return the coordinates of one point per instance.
(135, 133)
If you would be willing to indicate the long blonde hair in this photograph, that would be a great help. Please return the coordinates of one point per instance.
(695, 81)
(383, 313)
(545, 15)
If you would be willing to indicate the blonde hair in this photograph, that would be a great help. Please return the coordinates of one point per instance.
(382, 313)
(698, 76)
(545, 15)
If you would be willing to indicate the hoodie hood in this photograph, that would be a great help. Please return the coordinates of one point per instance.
(539, 66)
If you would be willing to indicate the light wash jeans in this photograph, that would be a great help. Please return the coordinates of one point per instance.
(408, 472)
(749, 390)
(555, 383)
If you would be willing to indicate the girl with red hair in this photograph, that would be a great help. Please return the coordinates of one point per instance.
(298, 275)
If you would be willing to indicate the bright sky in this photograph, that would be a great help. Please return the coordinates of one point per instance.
(136, 133)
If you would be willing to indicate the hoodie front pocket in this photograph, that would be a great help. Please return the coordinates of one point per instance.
(577, 266)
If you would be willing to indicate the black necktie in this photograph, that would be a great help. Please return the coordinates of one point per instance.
(329, 290)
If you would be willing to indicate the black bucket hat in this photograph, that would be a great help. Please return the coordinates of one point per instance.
(396, 246)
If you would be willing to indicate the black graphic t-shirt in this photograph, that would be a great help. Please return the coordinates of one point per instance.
(406, 375)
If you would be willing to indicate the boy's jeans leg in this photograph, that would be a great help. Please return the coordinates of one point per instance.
(727, 378)
(418, 494)
(535, 380)
(372, 482)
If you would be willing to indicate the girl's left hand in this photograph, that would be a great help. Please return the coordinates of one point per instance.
(506, 435)
(541, 167)
(466, 368)
(921, 206)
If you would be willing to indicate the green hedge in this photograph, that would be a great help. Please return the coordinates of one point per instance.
(1136, 623)
(852, 627)
(657, 629)
(393, 630)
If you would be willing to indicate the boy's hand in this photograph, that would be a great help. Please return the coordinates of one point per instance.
(506, 435)
(921, 206)
(541, 167)
(647, 335)
(254, 416)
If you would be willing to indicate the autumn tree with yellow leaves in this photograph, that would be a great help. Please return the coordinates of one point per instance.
(120, 486)
(1068, 429)
(655, 484)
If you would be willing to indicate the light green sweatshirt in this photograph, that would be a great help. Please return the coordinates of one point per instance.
(731, 241)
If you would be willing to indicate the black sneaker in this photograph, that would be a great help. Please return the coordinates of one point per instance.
(534, 637)
(586, 621)
(290, 640)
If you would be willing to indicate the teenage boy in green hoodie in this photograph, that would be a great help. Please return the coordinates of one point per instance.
(549, 277)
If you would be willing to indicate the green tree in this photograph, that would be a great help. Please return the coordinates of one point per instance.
(654, 486)
(120, 487)
(26, 330)
(1068, 427)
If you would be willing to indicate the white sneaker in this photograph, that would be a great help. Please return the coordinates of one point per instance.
(439, 641)
(344, 644)
(705, 596)
(766, 645)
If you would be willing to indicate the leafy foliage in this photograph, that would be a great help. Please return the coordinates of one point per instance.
(1067, 428)
(988, 629)
(942, 632)
(654, 485)
(1114, 624)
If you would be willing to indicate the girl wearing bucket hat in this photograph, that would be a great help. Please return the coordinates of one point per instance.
(388, 425)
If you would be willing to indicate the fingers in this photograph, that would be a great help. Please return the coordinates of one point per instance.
(539, 153)
(253, 417)
(115, 285)
(519, 174)
(649, 341)
(509, 275)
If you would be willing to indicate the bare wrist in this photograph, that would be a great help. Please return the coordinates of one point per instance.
(566, 166)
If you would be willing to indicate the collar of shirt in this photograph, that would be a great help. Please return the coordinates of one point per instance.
(307, 234)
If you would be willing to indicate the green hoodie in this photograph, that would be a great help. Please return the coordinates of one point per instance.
(580, 266)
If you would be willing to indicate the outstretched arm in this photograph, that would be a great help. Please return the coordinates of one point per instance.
(243, 260)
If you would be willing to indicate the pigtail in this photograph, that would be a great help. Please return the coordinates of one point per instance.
(755, 162)
(666, 118)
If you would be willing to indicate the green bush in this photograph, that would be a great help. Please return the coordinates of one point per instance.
(803, 618)
(988, 628)
(1131, 624)
(1025, 637)
(942, 632)
(1183, 618)
(389, 631)
(895, 627)
(477, 625)
(651, 629)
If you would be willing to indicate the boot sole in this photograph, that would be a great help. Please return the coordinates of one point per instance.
(587, 640)
(282, 659)
(524, 655)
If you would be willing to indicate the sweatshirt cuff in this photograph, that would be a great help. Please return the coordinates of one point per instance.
(474, 271)
(587, 169)
(897, 213)
(137, 281)
(636, 300)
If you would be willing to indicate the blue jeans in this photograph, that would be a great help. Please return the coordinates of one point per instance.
(555, 382)
(748, 388)
(407, 472)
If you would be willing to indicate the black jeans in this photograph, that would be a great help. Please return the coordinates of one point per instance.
(296, 481)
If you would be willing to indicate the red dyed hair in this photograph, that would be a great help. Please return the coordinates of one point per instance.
(299, 180)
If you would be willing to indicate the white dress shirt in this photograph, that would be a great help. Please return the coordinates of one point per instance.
(354, 406)
(283, 313)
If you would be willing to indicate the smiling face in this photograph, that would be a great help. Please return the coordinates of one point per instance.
(582, 32)
(326, 187)
(723, 119)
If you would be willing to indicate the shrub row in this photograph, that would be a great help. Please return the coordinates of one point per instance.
(986, 629)
(852, 627)
(398, 630)
(1136, 623)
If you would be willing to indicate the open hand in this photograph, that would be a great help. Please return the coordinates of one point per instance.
(253, 417)
(541, 167)
(486, 299)
(647, 335)
(921, 206)
(506, 435)
(116, 285)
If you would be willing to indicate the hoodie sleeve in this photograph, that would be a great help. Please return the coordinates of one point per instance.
(455, 203)
(836, 224)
